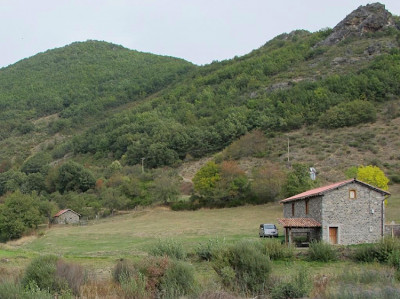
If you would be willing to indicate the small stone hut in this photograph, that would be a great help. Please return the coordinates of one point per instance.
(347, 212)
(66, 216)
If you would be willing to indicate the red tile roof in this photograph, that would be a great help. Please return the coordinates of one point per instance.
(321, 190)
(63, 211)
(299, 222)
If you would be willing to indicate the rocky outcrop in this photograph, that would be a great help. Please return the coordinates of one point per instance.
(370, 18)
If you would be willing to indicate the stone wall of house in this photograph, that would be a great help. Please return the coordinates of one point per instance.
(68, 217)
(358, 220)
(314, 209)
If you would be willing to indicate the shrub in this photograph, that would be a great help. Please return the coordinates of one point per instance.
(54, 275)
(385, 248)
(134, 286)
(73, 274)
(124, 269)
(394, 259)
(298, 287)
(154, 269)
(206, 251)
(243, 266)
(365, 254)
(321, 251)
(386, 251)
(178, 280)
(41, 272)
(12, 290)
(278, 251)
(169, 248)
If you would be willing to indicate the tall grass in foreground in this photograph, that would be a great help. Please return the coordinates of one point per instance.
(321, 251)
(366, 283)
(13, 290)
(298, 286)
(206, 251)
(155, 277)
(170, 248)
(384, 251)
(278, 251)
(243, 267)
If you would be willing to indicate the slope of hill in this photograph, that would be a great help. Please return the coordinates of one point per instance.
(80, 80)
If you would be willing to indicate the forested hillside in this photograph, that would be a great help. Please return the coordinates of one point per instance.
(77, 81)
(286, 84)
(98, 128)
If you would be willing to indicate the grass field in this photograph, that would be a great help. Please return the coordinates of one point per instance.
(98, 245)
(133, 233)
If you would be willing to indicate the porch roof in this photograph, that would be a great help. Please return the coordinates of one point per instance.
(299, 222)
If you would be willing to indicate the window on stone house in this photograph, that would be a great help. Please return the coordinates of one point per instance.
(307, 207)
(292, 208)
(352, 194)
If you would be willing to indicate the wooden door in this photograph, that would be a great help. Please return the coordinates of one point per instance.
(333, 235)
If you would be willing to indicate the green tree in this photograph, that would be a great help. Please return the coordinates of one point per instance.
(19, 213)
(206, 178)
(298, 180)
(351, 172)
(166, 186)
(268, 182)
(11, 180)
(72, 176)
(36, 163)
(233, 184)
(373, 175)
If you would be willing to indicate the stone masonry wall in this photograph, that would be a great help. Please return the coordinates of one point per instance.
(314, 209)
(67, 218)
(358, 220)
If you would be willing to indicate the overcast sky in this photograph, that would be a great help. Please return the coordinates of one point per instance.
(199, 31)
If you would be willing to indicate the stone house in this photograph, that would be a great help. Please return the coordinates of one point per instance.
(67, 216)
(347, 212)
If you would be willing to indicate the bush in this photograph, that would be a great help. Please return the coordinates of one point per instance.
(170, 248)
(124, 269)
(153, 268)
(386, 251)
(321, 251)
(134, 286)
(73, 274)
(206, 251)
(278, 251)
(54, 275)
(11, 290)
(243, 266)
(385, 248)
(365, 254)
(298, 287)
(41, 272)
(178, 280)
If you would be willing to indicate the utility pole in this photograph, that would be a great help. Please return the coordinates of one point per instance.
(288, 151)
(143, 165)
